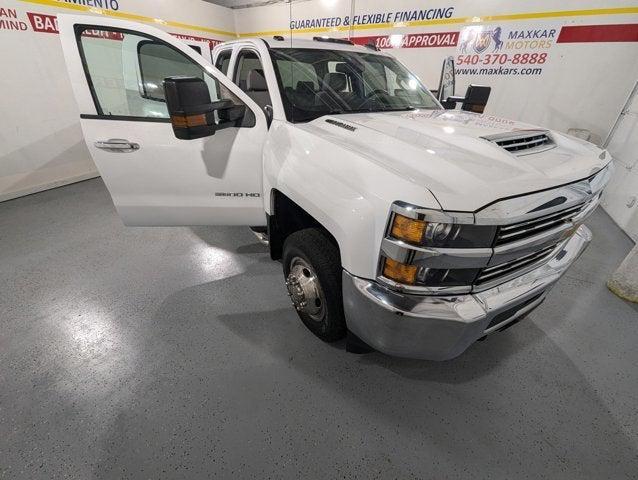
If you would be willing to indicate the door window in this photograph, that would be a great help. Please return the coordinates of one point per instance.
(247, 60)
(126, 71)
(249, 76)
(223, 61)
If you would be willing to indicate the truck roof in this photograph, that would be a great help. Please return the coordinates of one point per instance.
(326, 43)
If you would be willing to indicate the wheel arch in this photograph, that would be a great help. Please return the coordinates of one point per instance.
(287, 217)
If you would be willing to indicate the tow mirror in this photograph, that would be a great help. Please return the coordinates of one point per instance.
(189, 106)
(192, 113)
(447, 82)
(476, 98)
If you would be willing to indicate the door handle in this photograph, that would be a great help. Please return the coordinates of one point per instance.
(117, 145)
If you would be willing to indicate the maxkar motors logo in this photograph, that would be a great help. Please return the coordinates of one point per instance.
(494, 50)
(481, 40)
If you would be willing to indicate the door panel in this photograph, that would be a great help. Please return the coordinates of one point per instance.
(117, 69)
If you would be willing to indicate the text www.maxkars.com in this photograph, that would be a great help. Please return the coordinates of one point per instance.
(499, 71)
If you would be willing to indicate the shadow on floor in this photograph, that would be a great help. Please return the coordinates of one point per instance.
(517, 391)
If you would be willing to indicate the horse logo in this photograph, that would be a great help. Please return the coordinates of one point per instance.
(479, 40)
(496, 36)
(482, 41)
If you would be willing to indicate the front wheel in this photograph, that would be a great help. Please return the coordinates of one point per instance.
(312, 269)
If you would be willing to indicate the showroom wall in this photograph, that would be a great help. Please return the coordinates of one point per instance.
(566, 64)
(548, 62)
(41, 144)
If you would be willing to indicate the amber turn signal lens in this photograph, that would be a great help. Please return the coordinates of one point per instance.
(399, 272)
(408, 229)
(185, 121)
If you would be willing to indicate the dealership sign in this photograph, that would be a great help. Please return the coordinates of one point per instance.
(411, 40)
(44, 23)
(9, 20)
(496, 50)
(106, 4)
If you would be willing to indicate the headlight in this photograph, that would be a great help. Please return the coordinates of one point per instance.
(428, 277)
(400, 272)
(439, 234)
(433, 249)
(408, 229)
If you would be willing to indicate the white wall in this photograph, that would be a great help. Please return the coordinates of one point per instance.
(581, 85)
(41, 144)
(621, 196)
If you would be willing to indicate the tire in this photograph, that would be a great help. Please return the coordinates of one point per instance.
(315, 264)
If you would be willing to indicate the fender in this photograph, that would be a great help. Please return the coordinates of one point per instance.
(323, 177)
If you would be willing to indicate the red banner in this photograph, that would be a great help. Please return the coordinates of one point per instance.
(627, 32)
(43, 23)
(211, 41)
(411, 40)
(49, 24)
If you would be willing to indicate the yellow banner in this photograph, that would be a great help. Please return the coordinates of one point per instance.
(417, 23)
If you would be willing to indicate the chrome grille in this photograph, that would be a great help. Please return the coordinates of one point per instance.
(529, 228)
(523, 143)
(529, 231)
(492, 273)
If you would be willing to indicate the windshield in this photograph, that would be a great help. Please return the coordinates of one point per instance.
(317, 82)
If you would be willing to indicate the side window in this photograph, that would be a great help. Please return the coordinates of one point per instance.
(223, 60)
(249, 76)
(126, 72)
(247, 60)
(158, 61)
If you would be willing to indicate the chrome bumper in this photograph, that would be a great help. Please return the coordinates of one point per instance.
(443, 327)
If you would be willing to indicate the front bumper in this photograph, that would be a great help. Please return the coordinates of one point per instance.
(443, 327)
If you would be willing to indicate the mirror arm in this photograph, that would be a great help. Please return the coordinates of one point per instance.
(229, 114)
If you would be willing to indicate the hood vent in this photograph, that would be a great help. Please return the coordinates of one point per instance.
(524, 142)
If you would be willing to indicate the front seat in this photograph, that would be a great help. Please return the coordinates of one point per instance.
(335, 81)
(334, 91)
(257, 89)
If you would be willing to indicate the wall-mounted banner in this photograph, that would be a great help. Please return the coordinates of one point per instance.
(45, 23)
(9, 20)
(193, 38)
(374, 18)
(499, 50)
(411, 40)
(107, 4)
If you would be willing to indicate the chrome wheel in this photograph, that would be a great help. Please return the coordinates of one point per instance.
(304, 289)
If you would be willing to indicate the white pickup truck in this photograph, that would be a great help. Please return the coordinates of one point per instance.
(412, 229)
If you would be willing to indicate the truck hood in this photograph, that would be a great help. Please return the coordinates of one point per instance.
(444, 152)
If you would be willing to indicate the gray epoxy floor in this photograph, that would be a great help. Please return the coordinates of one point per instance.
(173, 353)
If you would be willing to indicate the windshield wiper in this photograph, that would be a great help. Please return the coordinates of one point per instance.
(400, 109)
(377, 109)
